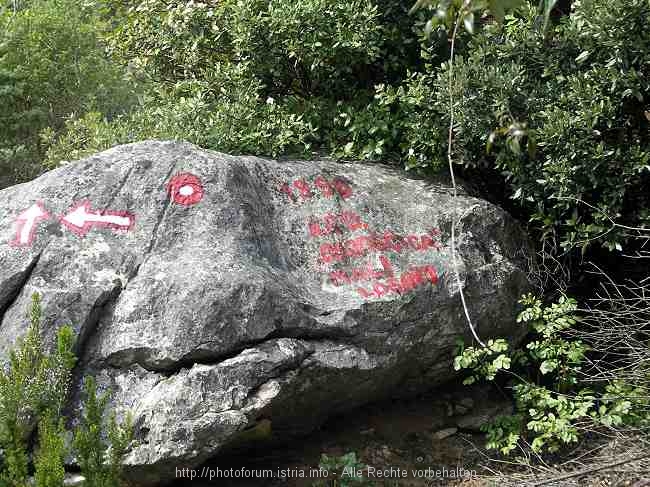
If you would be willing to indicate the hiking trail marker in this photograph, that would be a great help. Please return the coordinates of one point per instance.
(80, 219)
(26, 224)
(185, 189)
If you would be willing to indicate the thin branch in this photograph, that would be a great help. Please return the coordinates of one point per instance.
(590, 470)
(451, 171)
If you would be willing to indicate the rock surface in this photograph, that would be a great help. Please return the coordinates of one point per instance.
(213, 292)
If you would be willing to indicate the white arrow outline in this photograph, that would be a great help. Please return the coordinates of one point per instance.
(80, 219)
(26, 224)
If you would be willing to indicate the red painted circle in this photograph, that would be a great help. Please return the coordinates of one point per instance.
(185, 189)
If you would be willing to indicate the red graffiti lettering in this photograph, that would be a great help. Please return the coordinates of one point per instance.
(333, 222)
(394, 285)
(408, 281)
(390, 241)
(385, 263)
(324, 186)
(357, 247)
(431, 272)
(352, 221)
(411, 279)
(359, 274)
(384, 242)
(364, 244)
(414, 242)
(287, 190)
(363, 273)
(303, 187)
(429, 243)
(339, 278)
(380, 289)
(314, 229)
(364, 293)
(399, 244)
(331, 252)
(330, 223)
(342, 188)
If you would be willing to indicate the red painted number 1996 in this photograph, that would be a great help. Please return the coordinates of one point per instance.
(302, 189)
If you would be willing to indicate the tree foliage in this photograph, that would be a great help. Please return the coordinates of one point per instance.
(52, 67)
(557, 111)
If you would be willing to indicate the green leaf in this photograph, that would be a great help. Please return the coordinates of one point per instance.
(468, 21)
(548, 366)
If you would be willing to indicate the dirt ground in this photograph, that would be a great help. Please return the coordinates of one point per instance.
(431, 440)
(412, 442)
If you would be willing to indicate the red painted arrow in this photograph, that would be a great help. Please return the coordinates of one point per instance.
(26, 224)
(81, 218)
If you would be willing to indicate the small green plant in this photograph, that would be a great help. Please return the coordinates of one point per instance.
(98, 458)
(484, 362)
(346, 467)
(552, 406)
(48, 465)
(33, 390)
(34, 385)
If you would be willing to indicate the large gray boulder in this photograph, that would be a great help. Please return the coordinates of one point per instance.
(214, 292)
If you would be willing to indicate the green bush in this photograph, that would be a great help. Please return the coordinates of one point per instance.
(48, 465)
(553, 406)
(33, 391)
(268, 78)
(308, 48)
(234, 120)
(561, 112)
(34, 386)
(92, 448)
(52, 67)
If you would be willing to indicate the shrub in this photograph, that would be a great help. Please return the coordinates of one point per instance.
(308, 48)
(268, 78)
(560, 111)
(52, 67)
(100, 459)
(33, 390)
(48, 465)
(553, 405)
(33, 386)
(233, 120)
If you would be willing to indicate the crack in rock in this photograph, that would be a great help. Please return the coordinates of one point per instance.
(10, 291)
(279, 291)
